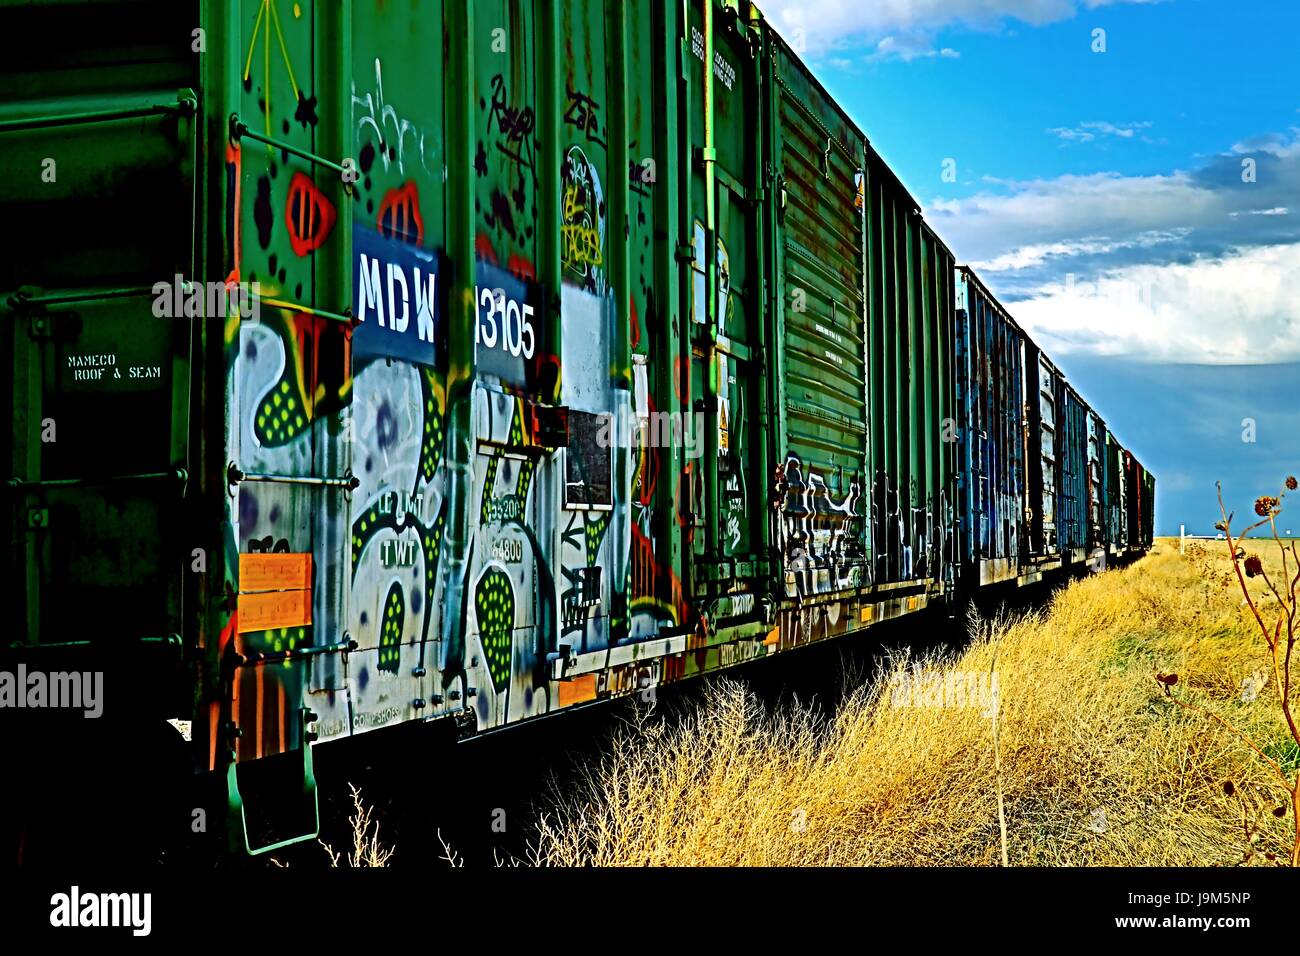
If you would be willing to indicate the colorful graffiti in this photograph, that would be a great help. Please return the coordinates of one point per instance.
(819, 533)
(582, 222)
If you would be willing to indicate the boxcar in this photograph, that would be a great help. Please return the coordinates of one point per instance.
(1098, 490)
(990, 433)
(1072, 465)
(382, 362)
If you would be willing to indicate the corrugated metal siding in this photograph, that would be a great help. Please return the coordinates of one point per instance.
(1116, 498)
(821, 242)
(989, 379)
(1041, 452)
(1072, 454)
(910, 302)
(1096, 481)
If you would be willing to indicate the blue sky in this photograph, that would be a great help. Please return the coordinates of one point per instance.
(1137, 209)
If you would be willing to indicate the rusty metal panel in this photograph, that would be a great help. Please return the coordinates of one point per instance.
(823, 458)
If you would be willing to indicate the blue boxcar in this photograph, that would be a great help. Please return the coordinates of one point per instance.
(990, 435)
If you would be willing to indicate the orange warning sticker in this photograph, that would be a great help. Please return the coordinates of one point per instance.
(274, 572)
(269, 609)
(577, 691)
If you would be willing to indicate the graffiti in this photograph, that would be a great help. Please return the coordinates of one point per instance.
(399, 215)
(582, 221)
(391, 636)
(268, 19)
(494, 606)
(515, 126)
(581, 242)
(818, 535)
(392, 132)
(630, 678)
(268, 545)
(310, 356)
(309, 215)
(740, 652)
(583, 113)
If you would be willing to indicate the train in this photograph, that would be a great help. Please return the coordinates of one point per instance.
(374, 363)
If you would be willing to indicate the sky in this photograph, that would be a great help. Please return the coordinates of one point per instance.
(1125, 176)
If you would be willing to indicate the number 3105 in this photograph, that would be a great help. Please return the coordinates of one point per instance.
(507, 322)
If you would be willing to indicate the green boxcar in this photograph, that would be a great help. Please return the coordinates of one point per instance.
(383, 362)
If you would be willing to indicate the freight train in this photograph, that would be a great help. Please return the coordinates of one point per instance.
(386, 362)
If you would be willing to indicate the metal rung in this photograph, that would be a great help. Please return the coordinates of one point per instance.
(21, 300)
(344, 317)
(185, 106)
(239, 130)
(349, 482)
(178, 475)
(171, 640)
(253, 659)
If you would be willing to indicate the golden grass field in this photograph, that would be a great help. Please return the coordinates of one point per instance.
(1098, 767)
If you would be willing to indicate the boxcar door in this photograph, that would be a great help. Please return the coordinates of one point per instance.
(724, 451)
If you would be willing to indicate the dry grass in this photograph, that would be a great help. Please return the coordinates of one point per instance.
(1098, 766)
(367, 850)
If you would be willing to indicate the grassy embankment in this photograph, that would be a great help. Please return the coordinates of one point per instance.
(1097, 765)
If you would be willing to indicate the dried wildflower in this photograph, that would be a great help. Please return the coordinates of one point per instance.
(1254, 566)
(1264, 505)
(1291, 483)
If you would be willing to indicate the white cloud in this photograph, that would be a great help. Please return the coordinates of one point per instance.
(831, 23)
(909, 47)
(1189, 266)
(1089, 131)
(1237, 309)
(1025, 257)
(1021, 224)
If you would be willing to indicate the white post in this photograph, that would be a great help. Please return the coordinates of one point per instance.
(1182, 538)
